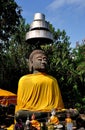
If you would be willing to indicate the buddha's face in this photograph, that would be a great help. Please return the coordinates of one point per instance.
(39, 62)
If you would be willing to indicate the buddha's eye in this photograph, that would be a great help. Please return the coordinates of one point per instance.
(40, 59)
(45, 59)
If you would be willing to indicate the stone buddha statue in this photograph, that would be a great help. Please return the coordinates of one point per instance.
(38, 92)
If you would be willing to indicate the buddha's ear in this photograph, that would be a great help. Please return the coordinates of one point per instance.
(30, 64)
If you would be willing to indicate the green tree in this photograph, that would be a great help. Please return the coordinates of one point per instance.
(15, 64)
(10, 13)
(79, 88)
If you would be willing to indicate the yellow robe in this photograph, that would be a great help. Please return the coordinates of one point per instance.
(38, 92)
(68, 120)
(35, 124)
(54, 120)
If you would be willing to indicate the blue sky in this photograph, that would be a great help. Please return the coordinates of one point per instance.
(63, 14)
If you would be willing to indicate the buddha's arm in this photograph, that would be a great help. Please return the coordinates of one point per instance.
(59, 96)
(20, 96)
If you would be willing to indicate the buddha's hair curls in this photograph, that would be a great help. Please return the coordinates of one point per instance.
(37, 51)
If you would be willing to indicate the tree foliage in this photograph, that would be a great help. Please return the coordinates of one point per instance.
(10, 13)
(79, 88)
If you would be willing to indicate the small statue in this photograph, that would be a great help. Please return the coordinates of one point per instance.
(34, 122)
(69, 122)
(27, 123)
(54, 119)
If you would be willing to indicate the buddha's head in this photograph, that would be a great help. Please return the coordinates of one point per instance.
(37, 61)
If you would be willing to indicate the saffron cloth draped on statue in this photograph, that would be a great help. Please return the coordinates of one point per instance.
(38, 92)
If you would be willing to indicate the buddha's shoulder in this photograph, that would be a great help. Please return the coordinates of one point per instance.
(35, 76)
(25, 77)
(51, 77)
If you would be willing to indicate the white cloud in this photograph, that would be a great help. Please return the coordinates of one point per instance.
(60, 3)
(56, 4)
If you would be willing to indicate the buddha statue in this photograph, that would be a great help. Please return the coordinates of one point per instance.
(38, 92)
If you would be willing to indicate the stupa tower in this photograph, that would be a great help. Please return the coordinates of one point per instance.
(39, 32)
